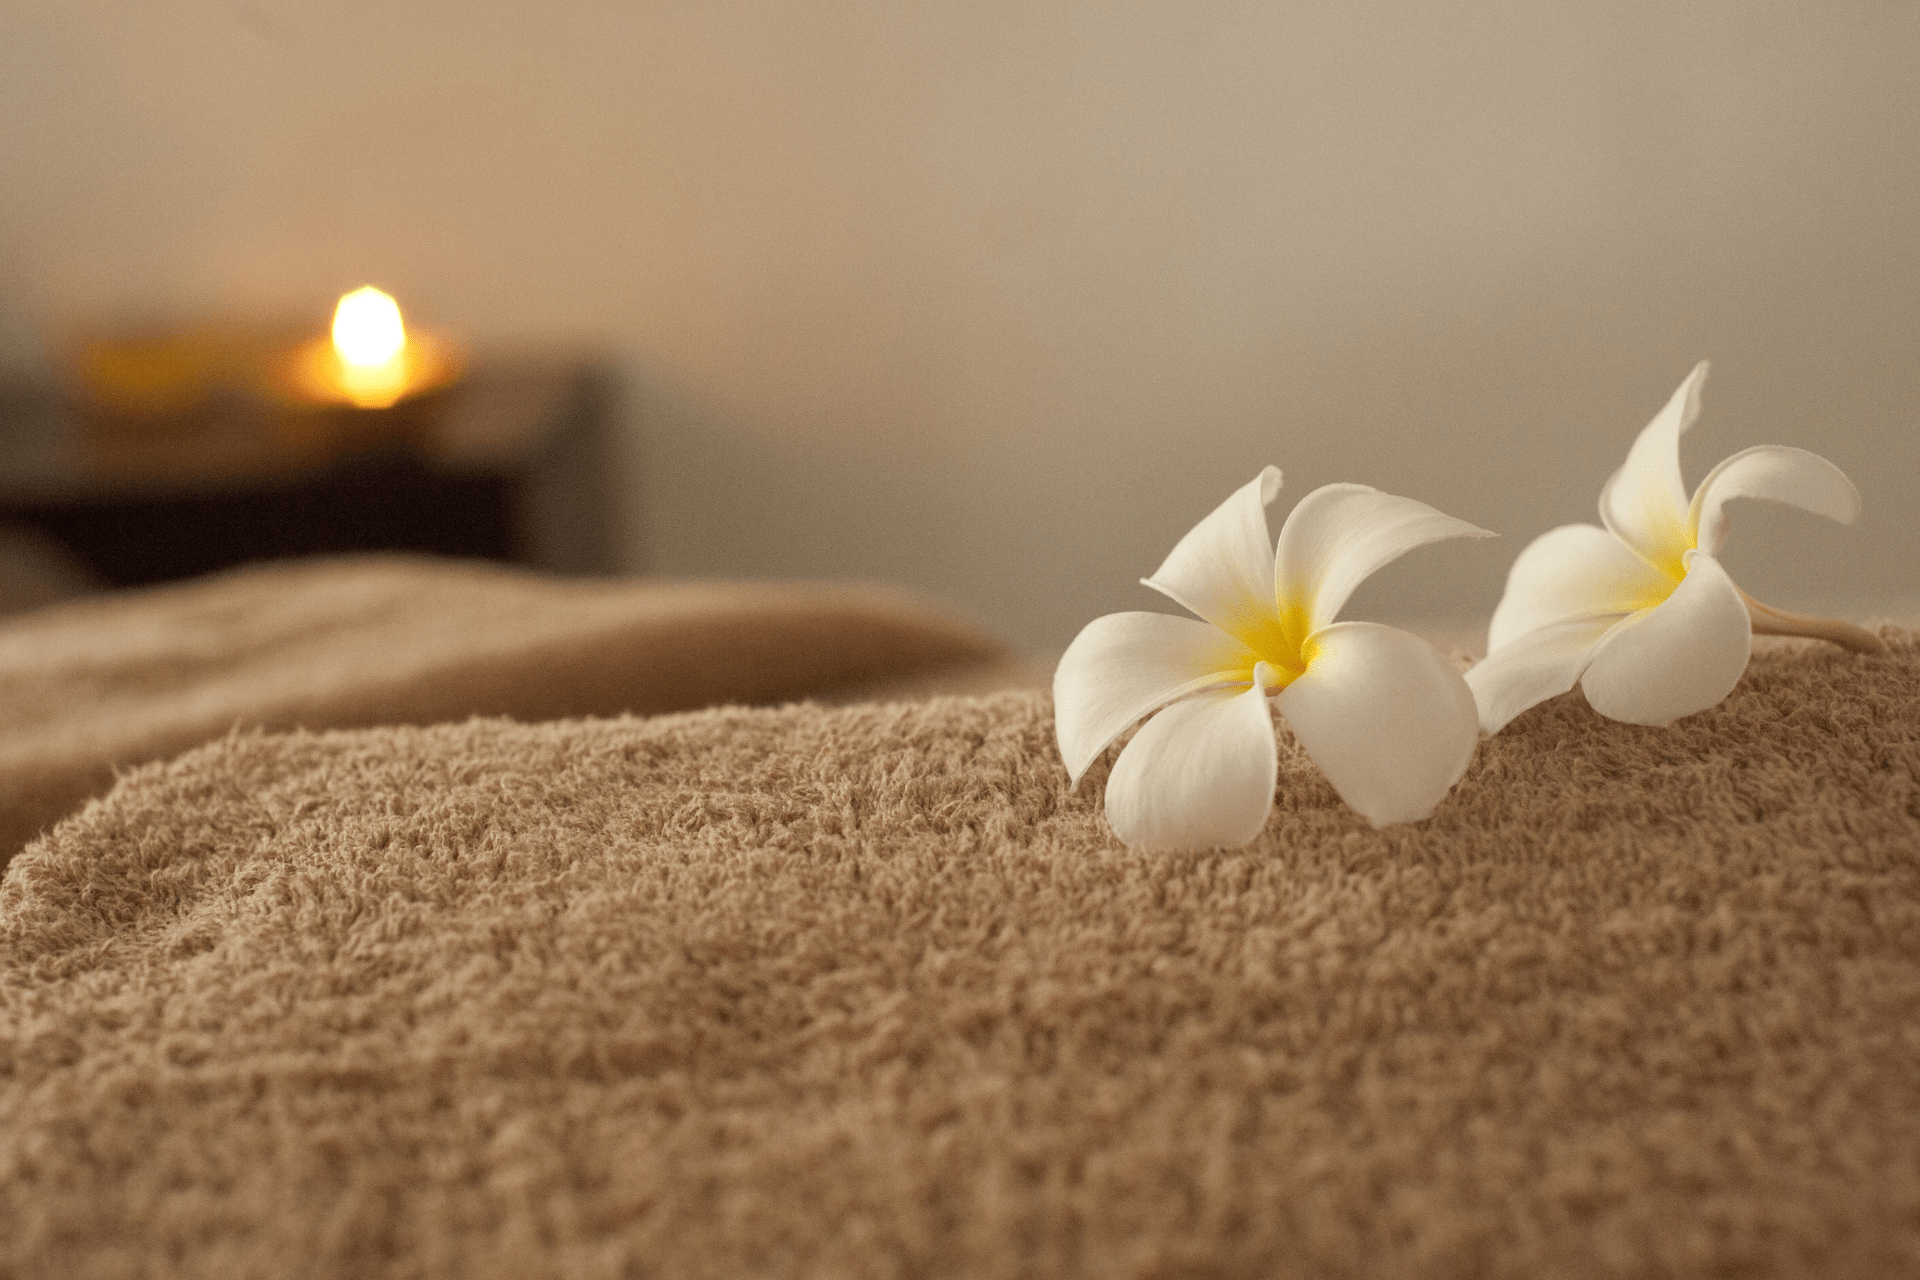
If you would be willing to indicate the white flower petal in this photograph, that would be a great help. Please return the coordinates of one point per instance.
(1223, 569)
(1120, 667)
(1776, 472)
(1645, 502)
(1528, 669)
(1575, 571)
(1681, 657)
(1340, 534)
(1199, 775)
(1389, 721)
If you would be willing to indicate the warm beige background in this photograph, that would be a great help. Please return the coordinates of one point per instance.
(995, 299)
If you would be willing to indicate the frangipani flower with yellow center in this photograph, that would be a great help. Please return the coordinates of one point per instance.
(1641, 614)
(1388, 721)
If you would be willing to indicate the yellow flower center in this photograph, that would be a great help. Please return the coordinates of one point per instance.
(1279, 643)
(1670, 560)
(1648, 599)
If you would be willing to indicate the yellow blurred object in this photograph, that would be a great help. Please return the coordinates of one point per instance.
(149, 375)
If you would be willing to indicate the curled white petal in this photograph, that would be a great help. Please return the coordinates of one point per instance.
(1528, 669)
(1678, 658)
(1575, 571)
(1645, 502)
(1120, 667)
(1389, 721)
(1223, 569)
(1776, 472)
(1199, 775)
(1340, 534)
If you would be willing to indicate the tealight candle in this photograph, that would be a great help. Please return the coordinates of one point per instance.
(370, 360)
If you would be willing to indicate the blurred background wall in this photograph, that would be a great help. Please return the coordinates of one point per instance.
(995, 299)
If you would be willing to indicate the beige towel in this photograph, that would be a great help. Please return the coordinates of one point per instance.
(104, 683)
(865, 992)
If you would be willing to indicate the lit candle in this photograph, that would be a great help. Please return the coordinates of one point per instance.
(371, 361)
(370, 344)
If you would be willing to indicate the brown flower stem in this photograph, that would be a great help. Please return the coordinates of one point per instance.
(1768, 621)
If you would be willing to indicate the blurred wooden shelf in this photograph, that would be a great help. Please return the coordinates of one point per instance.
(512, 464)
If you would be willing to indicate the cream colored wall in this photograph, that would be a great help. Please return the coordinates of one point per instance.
(995, 299)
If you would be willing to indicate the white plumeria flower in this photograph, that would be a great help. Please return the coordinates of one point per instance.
(1641, 614)
(1388, 721)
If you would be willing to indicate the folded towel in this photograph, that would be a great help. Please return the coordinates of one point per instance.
(866, 991)
(100, 684)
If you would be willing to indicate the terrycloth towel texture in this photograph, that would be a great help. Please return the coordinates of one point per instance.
(864, 992)
(100, 684)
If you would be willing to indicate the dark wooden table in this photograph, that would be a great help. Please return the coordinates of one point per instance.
(511, 464)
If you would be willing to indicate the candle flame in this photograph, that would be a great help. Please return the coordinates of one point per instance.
(367, 328)
(371, 361)
(371, 342)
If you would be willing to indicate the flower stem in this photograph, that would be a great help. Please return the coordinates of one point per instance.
(1768, 621)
